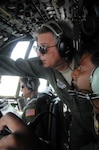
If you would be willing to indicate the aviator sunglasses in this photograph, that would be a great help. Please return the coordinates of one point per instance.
(43, 49)
(22, 86)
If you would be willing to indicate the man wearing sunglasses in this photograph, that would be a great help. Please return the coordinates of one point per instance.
(86, 83)
(55, 62)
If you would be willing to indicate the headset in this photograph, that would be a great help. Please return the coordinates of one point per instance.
(30, 84)
(94, 80)
(64, 43)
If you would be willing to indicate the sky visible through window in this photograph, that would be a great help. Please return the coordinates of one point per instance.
(8, 85)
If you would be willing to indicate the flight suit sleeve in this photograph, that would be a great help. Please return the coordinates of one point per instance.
(22, 67)
(29, 115)
(30, 111)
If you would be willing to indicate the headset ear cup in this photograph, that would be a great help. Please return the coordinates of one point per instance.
(63, 48)
(30, 85)
(60, 47)
(94, 80)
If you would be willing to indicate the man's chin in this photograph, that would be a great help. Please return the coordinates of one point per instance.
(77, 87)
(45, 65)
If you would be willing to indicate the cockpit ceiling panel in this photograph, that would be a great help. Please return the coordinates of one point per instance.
(20, 18)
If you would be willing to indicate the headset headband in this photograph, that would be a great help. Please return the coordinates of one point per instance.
(54, 27)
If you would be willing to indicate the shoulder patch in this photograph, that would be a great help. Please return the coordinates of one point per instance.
(60, 84)
(30, 112)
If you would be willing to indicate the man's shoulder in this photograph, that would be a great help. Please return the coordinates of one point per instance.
(32, 101)
(31, 104)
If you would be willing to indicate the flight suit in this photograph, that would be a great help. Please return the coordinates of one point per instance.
(29, 111)
(81, 110)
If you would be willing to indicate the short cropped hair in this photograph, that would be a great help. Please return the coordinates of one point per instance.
(66, 27)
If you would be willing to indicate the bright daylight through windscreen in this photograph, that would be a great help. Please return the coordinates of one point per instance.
(8, 85)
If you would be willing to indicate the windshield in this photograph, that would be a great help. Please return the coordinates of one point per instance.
(9, 84)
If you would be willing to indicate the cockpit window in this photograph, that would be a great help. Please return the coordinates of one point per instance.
(32, 52)
(20, 50)
(9, 84)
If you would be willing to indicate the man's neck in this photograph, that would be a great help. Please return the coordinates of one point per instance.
(62, 66)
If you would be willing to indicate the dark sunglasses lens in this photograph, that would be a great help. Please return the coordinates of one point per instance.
(43, 50)
(22, 86)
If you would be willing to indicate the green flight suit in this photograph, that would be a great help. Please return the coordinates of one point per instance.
(81, 109)
(29, 111)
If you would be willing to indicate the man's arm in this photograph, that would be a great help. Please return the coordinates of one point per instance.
(20, 137)
(22, 67)
(13, 123)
